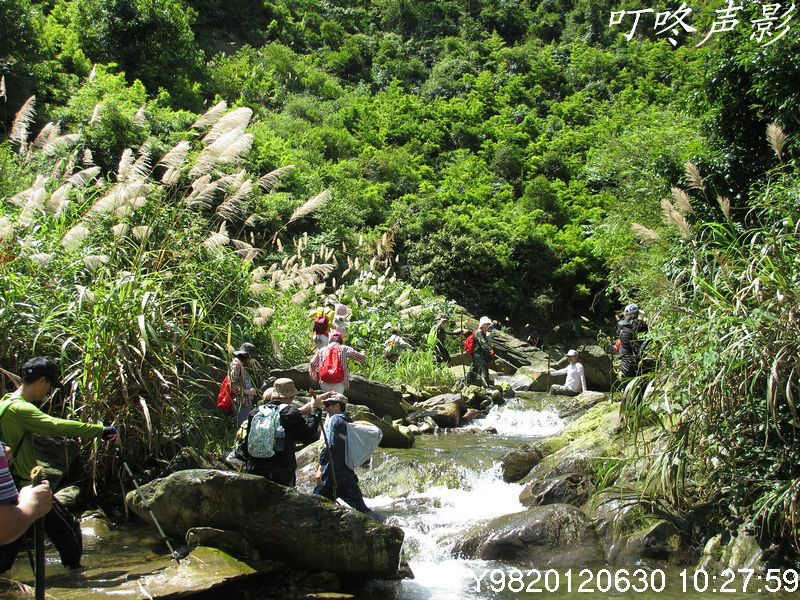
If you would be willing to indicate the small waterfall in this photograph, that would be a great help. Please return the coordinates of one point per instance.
(512, 419)
(432, 520)
(467, 489)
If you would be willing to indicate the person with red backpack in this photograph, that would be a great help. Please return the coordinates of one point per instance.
(329, 365)
(479, 345)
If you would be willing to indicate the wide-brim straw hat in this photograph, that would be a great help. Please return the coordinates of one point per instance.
(283, 389)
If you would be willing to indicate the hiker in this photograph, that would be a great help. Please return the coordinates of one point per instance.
(321, 324)
(242, 390)
(341, 319)
(576, 378)
(20, 420)
(394, 345)
(339, 475)
(442, 355)
(294, 424)
(19, 510)
(482, 353)
(630, 347)
(329, 366)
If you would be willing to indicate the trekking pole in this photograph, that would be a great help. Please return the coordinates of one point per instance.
(330, 458)
(37, 475)
(172, 552)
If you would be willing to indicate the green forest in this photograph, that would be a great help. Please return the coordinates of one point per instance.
(177, 177)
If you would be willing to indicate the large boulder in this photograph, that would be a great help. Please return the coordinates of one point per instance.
(392, 436)
(509, 348)
(546, 536)
(303, 530)
(597, 366)
(517, 463)
(539, 378)
(380, 398)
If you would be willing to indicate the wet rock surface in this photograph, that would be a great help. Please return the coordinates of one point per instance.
(281, 523)
(553, 535)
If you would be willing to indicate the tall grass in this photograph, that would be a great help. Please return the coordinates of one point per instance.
(726, 388)
(143, 280)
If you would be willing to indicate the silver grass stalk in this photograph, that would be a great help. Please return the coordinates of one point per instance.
(95, 261)
(44, 135)
(676, 218)
(120, 230)
(646, 235)
(140, 118)
(141, 232)
(176, 157)
(725, 205)
(92, 73)
(41, 258)
(33, 207)
(6, 229)
(82, 178)
(279, 244)
(693, 177)
(22, 121)
(271, 180)
(236, 149)
(211, 116)
(124, 211)
(238, 118)
(125, 164)
(310, 206)
(300, 297)
(84, 294)
(682, 201)
(256, 289)
(777, 138)
(251, 221)
(233, 206)
(87, 158)
(3, 87)
(75, 237)
(61, 143)
(95, 119)
(58, 201)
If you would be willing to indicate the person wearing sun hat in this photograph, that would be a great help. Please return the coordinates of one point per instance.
(299, 423)
(333, 472)
(482, 353)
(321, 361)
(576, 377)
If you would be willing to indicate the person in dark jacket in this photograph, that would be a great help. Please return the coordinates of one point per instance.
(442, 355)
(482, 354)
(299, 424)
(333, 471)
(630, 347)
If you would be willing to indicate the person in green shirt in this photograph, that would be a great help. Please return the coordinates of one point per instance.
(482, 354)
(20, 419)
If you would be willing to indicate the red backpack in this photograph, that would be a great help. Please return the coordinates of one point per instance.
(469, 343)
(321, 325)
(224, 400)
(332, 370)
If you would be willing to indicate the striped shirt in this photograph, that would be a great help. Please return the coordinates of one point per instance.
(345, 352)
(8, 491)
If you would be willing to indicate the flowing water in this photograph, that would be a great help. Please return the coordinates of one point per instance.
(436, 492)
(450, 482)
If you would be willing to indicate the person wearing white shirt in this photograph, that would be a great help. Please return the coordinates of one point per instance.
(576, 378)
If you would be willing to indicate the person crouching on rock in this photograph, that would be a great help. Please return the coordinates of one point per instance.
(482, 353)
(329, 366)
(576, 378)
(296, 424)
(334, 478)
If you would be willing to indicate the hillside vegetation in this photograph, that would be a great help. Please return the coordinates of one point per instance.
(180, 176)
